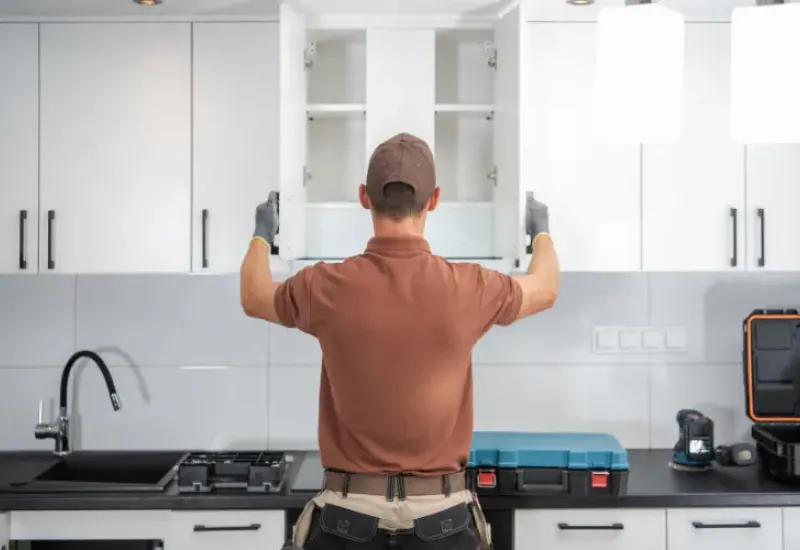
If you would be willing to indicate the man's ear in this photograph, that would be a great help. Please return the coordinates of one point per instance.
(433, 202)
(363, 198)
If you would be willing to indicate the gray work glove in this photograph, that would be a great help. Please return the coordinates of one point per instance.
(536, 217)
(267, 218)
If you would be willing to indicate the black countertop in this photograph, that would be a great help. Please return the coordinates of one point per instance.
(651, 485)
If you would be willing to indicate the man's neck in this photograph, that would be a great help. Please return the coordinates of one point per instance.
(409, 227)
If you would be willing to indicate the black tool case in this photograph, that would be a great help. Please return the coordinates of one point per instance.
(772, 389)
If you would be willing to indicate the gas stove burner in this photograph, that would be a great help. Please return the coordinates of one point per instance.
(251, 471)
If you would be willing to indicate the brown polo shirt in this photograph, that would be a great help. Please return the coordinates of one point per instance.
(396, 325)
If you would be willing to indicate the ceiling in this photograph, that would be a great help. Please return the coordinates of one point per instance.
(98, 8)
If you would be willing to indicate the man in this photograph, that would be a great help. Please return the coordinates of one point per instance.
(396, 325)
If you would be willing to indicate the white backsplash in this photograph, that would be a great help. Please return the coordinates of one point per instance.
(193, 372)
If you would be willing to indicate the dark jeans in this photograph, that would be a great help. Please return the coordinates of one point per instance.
(336, 528)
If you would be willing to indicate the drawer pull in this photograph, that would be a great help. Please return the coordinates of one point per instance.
(735, 223)
(207, 529)
(760, 214)
(746, 525)
(611, 527)
(23, 261)
(205, 238)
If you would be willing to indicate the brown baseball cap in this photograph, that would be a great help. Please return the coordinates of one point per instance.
(403, 158)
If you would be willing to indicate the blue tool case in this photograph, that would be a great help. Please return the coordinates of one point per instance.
(520, 463)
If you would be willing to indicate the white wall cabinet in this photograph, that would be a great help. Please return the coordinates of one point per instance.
(729, 528)
(771, 221)
(211, 530)
(791, 528)
(387, 86)
(19, 148)
(115, 147)
(235, 137)
(602, 529)
(593, 189)
(694, 191)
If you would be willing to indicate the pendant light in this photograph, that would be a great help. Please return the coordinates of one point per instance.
(765, 81)
(638, 86)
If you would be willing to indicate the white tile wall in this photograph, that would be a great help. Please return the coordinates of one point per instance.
(193, 372)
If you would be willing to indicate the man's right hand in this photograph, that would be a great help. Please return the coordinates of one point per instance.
(267, 219)
(536, 217)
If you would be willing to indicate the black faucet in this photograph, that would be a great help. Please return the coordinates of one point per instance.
(59, 429)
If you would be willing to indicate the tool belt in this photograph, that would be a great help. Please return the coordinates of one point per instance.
(392, 486)
(334, 527)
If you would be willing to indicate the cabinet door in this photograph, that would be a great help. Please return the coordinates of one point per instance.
(592, 188)
(19, 147)
(68, 525)
(773, 193)
(791, 528)
(5, 531)
(242, 530)
(115, 147)
(293, 133)
(728, 528)
(509, 197)
(235, 142)
(595, 529)
(693, 191)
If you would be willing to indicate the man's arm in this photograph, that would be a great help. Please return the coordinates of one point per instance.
(540, 285)
(256, 287)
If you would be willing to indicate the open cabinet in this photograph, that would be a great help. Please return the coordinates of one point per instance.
(344, 92)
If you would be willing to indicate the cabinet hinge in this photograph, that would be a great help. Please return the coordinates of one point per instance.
(309, 54)
(493, 176)
(306, 176)
(491, 54)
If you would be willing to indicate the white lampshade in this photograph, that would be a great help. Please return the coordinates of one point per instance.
(638, 88)
(765, 74)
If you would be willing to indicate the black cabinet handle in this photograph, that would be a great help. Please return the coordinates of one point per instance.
(23, 216)
(205, 238)
(51, 215)
(206, 529)
(610, 527)
(760, 214)
(745, 525)
(735, 256)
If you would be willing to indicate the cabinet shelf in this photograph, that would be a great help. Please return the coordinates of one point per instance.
(467, 109)
(335, 110)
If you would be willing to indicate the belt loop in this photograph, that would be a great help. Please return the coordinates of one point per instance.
(446, 485)
(401, 487)
(390, 489)
(345, 484)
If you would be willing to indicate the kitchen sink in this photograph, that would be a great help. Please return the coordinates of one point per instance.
(107, 472)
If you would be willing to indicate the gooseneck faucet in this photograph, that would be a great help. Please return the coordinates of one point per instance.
(59, 428)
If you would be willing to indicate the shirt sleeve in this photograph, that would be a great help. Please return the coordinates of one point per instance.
(294, 301)
(492, 298)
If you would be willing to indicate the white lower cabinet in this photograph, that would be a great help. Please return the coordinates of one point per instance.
(725, 529)
(791, 528)
(614, 529)
(5, 528)
(240, 529)
(89, 525)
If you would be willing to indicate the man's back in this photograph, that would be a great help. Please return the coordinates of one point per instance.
(397, 325)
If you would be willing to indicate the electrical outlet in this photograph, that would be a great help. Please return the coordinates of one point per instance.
(675, 339)
(630, 340)
(606, 340)
(653, 339)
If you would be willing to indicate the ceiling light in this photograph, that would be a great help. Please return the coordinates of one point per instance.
(638, 86)
(764, 79)
(148, 2)
(580, 2)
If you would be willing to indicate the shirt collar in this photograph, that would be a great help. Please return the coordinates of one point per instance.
(398, 245)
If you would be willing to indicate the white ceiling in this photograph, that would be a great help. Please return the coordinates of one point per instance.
(78, 8)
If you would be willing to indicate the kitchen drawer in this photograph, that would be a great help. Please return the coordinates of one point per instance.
(728, 528)
(595, 529)
(242, 530)
(90, 525)
(791, 528)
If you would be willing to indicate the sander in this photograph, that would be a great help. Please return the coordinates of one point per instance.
(695, 450)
